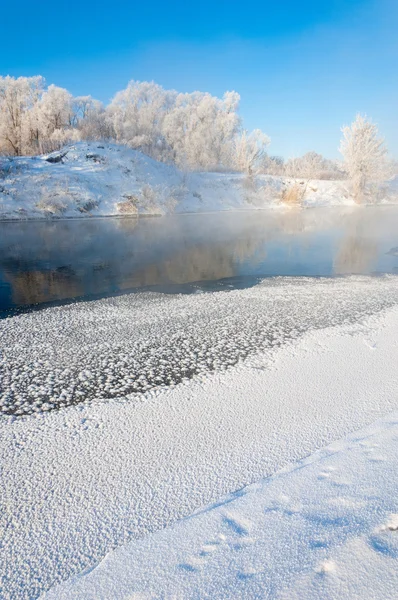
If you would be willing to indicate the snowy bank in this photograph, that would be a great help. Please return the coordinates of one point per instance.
(325, 528)
(94, 179)
(78, 482)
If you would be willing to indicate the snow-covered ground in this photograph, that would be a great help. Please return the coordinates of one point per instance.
(309, 362)
(106, 179)
(325, 528)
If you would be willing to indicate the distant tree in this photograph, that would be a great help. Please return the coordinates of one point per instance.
(275, 165)
(365, 154)
(250, 154)
(310, 166)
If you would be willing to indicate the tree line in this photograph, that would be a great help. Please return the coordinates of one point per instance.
(195, 131)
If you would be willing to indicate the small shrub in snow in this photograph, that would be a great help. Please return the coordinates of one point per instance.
(293, 194)
(88, 206)
(148, 199)
(159, 198)
(128, 206)
(52, 206)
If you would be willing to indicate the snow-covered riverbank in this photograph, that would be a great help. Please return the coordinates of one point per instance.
(93, 179)
(323, 528)
(78, 482)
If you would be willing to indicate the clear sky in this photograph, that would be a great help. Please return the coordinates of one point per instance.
(302, 68)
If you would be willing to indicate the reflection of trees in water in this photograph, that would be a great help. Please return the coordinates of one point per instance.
(105, 256)
(134, 263)
(198, 262)
(358, 251)
(31, 287)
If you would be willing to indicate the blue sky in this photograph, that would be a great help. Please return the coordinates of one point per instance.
(302, 69)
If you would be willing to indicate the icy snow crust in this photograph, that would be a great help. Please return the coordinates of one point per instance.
(324, 529)
(135, 343)
(78, 482)
(94, 179)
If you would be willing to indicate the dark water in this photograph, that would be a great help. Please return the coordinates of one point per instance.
(44, 262)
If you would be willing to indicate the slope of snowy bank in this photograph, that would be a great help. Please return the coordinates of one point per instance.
(88, 179)
(325, 528)
(78, 482)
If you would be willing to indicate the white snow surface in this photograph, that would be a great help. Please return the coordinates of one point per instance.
(78, 482)
(325, 528)
(92, 179)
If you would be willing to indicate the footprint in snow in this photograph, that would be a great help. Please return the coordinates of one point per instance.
(196, 562)
(384, 539)
(238, 524)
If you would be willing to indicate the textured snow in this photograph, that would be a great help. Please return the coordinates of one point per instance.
(134, 343)
(78, 482)
(324, 528)
(94, 179)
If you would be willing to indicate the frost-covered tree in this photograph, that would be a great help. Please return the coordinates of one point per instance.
(194, 130)
(90, 118)
(275, 165)
(136, 115)
(200, 130)
(51, 120)
(310, 166)
(17, 98)
(34, 119)
(250, 154)
(364, 153)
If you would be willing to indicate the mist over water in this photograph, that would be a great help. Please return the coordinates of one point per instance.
(56, 261)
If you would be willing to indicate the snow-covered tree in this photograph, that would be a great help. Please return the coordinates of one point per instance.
(250, 154)
(310, 166)
(194, 130)
(51, 120)
(364, 153)
(137, 113)
(200, 130)
(275, 165)
(17, 98)
(90, 118)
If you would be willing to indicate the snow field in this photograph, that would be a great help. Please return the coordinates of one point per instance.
(323, 528)
(78, 482)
